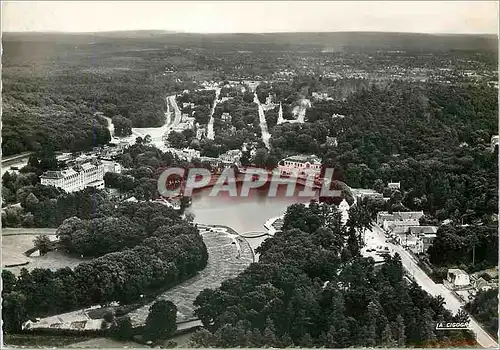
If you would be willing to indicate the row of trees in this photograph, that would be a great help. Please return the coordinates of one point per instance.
(312, 288)
(167, 251)
(46, 206)
(474, 246)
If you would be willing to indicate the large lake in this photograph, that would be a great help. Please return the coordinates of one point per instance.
(242, 214)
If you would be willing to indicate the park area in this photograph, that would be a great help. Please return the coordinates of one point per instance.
(13, 253)
(228, 255)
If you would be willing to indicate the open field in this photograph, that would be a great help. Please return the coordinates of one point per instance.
(97, 343)
(49, 341)
(223, 263)
(182, 341)
(13, 248)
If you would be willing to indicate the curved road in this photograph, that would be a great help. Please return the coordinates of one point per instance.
(158, 133)
(177, 112)
(16, 160)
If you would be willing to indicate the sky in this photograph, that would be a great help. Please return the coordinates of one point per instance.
(475, 17)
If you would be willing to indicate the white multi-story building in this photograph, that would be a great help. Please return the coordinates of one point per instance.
(399, 219)
(76, 178)
(300, 165)
(111, 167)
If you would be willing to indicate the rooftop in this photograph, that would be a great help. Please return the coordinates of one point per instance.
(52, 175)
(423, 229)
(457, 272)
(304, 158)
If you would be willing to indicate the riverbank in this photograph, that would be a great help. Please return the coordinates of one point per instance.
(274, 225)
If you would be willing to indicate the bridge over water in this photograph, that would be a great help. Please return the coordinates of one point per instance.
(254, 234)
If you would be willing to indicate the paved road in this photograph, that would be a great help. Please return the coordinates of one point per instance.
(302, 111)
(210, 128)
(376, 237)
(16, 157)
(158, 133)
(17, 160)
(8, 231)
(177, 112)
(263, 123)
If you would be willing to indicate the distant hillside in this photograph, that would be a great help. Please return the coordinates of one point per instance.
(349, 41)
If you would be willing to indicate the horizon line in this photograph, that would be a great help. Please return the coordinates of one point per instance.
(167, 31)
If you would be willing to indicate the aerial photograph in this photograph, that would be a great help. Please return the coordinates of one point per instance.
(250, 174)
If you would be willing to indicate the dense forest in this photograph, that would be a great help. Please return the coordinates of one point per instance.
(141, 249)
(474, 246)
(434, 139)
(312, 288)
(51, 94)
(484, 308)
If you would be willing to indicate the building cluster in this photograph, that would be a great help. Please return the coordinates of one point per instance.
(77, 177)
(466, 286)
(300, 165)
(405, 229)
(226, 117)
(210, 85)
(283, 75)
(227, 159)
(82, 171)
(321, 96)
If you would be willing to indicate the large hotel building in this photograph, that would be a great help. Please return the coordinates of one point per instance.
(77, 177)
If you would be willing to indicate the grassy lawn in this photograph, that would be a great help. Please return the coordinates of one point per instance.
(31, 340)
(13, 248)
(97, 343)
(223, 263)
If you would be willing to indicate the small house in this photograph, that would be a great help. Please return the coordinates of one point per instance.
(457, 278)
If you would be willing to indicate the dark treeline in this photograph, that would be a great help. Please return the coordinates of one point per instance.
(156, 252)
(312, 288)
(458, 246)
(46, 206)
